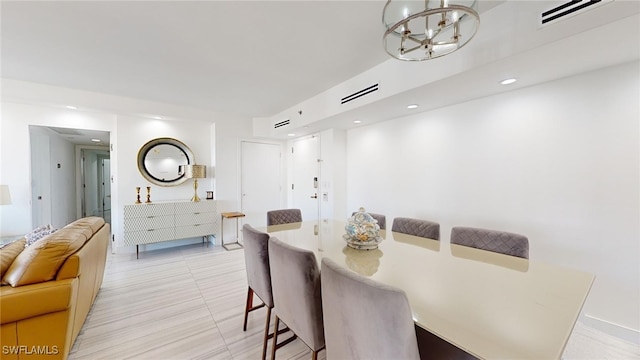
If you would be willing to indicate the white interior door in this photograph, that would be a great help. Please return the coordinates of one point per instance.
(260, 181)
(305, 176)
(40, 180)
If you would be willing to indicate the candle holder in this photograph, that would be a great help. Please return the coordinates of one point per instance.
(148, 195)
(138, 195)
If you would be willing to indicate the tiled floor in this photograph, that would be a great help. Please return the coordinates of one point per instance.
(188, 302)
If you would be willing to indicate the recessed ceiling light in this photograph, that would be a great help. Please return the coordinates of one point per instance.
(508, 81)
(291, 134)
(95, 140)
(71, 107)
(412, 106)
(357, 121)
(158, 117)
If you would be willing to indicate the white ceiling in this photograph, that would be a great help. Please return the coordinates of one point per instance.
(245, 57)
(254, 58)
(83, 136)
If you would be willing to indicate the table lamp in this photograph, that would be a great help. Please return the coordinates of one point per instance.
(5, 196)
(195, 172)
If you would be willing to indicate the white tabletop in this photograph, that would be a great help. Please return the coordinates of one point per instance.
(491, 305)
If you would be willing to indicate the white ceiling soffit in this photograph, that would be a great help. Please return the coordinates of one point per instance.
(510, 42)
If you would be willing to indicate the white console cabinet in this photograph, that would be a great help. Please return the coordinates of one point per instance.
(163, 221)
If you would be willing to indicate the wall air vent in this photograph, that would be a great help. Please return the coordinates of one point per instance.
(358, 94)
(569, 8)
(281, 124)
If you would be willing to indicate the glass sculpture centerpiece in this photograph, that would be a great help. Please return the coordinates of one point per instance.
(363, 231)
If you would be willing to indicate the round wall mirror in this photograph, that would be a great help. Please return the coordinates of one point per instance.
(161, 161)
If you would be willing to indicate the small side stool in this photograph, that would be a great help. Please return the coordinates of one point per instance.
(230, 215)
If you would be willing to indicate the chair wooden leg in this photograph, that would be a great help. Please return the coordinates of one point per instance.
(275, 338)
(247, 307)
(266, 334)
(275, 334)
(314, 355)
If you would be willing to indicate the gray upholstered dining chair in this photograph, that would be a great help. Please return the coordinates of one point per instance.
(256, 257)
(416, 227)
(491, 240)
(295, 280)
(283, 216)
(365, 319)
(382, 220)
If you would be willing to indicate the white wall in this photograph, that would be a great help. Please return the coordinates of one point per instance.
(63, 184)
(133, 133)
(228, 135)
(557, 162)
(15, 155)
(213, 137)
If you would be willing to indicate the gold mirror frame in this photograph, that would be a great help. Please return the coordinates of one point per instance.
(155, 178)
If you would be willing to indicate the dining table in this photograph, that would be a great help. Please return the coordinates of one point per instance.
(491, 305)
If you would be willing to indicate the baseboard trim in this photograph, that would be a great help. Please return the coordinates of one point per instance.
(617, 330)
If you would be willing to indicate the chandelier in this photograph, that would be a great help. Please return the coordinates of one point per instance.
(427, 29)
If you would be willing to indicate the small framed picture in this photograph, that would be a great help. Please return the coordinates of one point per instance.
(209, 195)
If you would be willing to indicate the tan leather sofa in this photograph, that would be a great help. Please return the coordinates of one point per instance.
(49, 289)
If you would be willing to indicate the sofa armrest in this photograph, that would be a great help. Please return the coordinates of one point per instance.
(28, 301)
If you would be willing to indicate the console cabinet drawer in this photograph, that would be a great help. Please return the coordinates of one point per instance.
(144, 210)
(149, 236)
(148, 222)
(195, 219)
(194, 230)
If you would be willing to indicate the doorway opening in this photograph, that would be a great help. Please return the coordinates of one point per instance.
(95, 183)
(59, 187)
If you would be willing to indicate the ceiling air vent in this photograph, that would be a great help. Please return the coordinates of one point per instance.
(568, 9)
(65, 131)
(281, 123)
(359, 94)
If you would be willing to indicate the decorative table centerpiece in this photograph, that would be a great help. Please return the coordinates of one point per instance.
(363, 231)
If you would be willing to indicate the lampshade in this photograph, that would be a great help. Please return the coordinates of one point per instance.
(427, 29)
(5, 196)
(195, 171)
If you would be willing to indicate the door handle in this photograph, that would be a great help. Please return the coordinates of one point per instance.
(314, 196)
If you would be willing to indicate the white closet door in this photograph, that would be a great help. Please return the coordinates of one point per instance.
(261, 181)
(40, 180)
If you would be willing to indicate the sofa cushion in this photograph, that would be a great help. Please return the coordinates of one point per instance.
(38, 299)
(41, 261)
(8, 253)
